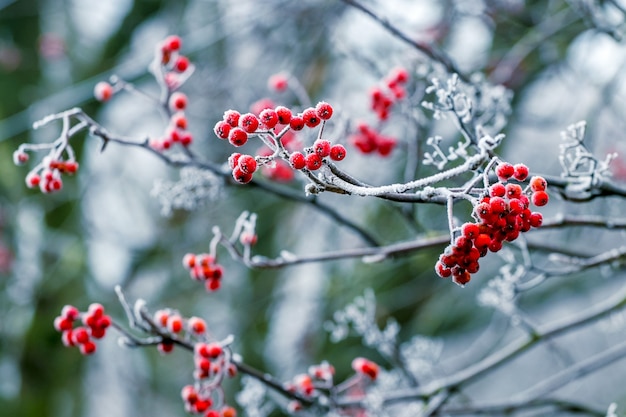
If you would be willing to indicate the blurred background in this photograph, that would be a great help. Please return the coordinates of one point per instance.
(562, 61)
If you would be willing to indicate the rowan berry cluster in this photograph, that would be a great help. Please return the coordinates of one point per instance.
(384, 97)
(318, 376)
(274, 124)
(198, 402)
(500, 216)
(94, 325)
(48, 174)
(204, 267)
(369, 140)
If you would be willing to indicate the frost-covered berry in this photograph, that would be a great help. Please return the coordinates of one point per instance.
(310, 117)
(504, 171)
(247, 163)
(233, 159)
(103, 91)
(278, 82)
(196, 325)
(296, 122)
(232, 117)
(321, 147)
(237, 136)
(521, 172)
(540, 198)
(365, 367)
(181, 64)
(538, 183)
(313, 161)
(241, 177)
(297, 160)
(269, 118)
(337, 152)
(284, 115)
(178, 101)
(172, 43)
(324, 110)
(249, 122)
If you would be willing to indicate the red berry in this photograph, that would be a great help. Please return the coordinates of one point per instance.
(240, 176)
(214, 350)
(103, 91)
(322, 148)
(63, 324)
(232, 117)
(365, 367)
(497, 205)
(87, 348)
(324, 110)
(538, 184)
(189, 394)
(247, 163)
(269, 118)
(483, 210)
(313, 161)
(178, 101)
(337, 152)
(33, 180)
(296, 122)
(233, 159)
(181, 64)
(175, 323)
(96, 310)
(70, 312)
(513, 190)
(228, 412)
(172, 43)
(161, 317)
(284, 115)
(222, 129)
(278, 82)
(497, 190)
(385, 145)
(237, 136)
(71, 167)
(166, 346)
(179, 120)
(213, 285)
(470, 230)
(310, 117)
(482, 241)
(536, 219)
(297, 160)
(504, 171)
(249, 122)
(540, 198)
(20, 157)
(521, 172)
(80, 336)
(442, 270)
(196, 325)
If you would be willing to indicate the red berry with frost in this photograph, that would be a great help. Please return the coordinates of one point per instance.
(536, 219)
(178, 101)
(442, 270)
(324, 110)
(71, 167)
(33, 180)
(483, 210)
(165, 347)
(233, 159)
(538, 183)
(513, 191)
(240, 176)
(521, 172)
(181, 64)
(310, 117)
(175, 323)
(213, 285)
(70, 312)
(179, 120)
(313, 161)
(540, 198)
(269, 118)
(278, 82)
(504, 171)
(249, 122)
(237, 136)
(20, 157)
(284, 114)
(161, 317)
(497, 205)
(470, 230)
(103, 91)
(232, 117)
(228, 411)
(385, 145)
(189, 394)
(186, 138)
(80, 335)
(497, 190)
(196, 325)
(63, 324)
(365, 367)
(296, 122)
(297, 160)
(321, 147)
(247, 163)
(172, 43)
(222, 129)
(337, 152)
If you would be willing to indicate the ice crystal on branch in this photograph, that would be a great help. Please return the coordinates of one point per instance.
(360, 316)
(253, 398)
(500, 292)
(420, 354)
(194, 190)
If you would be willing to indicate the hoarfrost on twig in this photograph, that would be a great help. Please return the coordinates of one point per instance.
(195, 189)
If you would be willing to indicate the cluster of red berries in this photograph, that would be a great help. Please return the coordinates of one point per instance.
(175, 324)
(174, 66)
(94, 325)
(368, 140)
(203, 267)
(305, 384)
(383, 98)
(501, 216)
(237, 127)
(47, 176)
(176, 131)
(197, 402)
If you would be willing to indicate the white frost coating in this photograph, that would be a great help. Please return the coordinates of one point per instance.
(500, 291)
(253, 398)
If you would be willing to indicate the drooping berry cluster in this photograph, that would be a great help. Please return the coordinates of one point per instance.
(392, 90)
(237, 128)
(173, 67)
(48, 174)
(94, 323)
(369, 140)
(500, 216)
(198, 402)
(204, 267)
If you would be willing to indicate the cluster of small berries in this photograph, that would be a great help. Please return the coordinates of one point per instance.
(368, 140)
(237, 127)
(383, 98)
(203, 267)
(47, 175)
(198, 402)
(305, 384)
(501, 216)
(174, 66)
(94, 326)
(174, 323)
